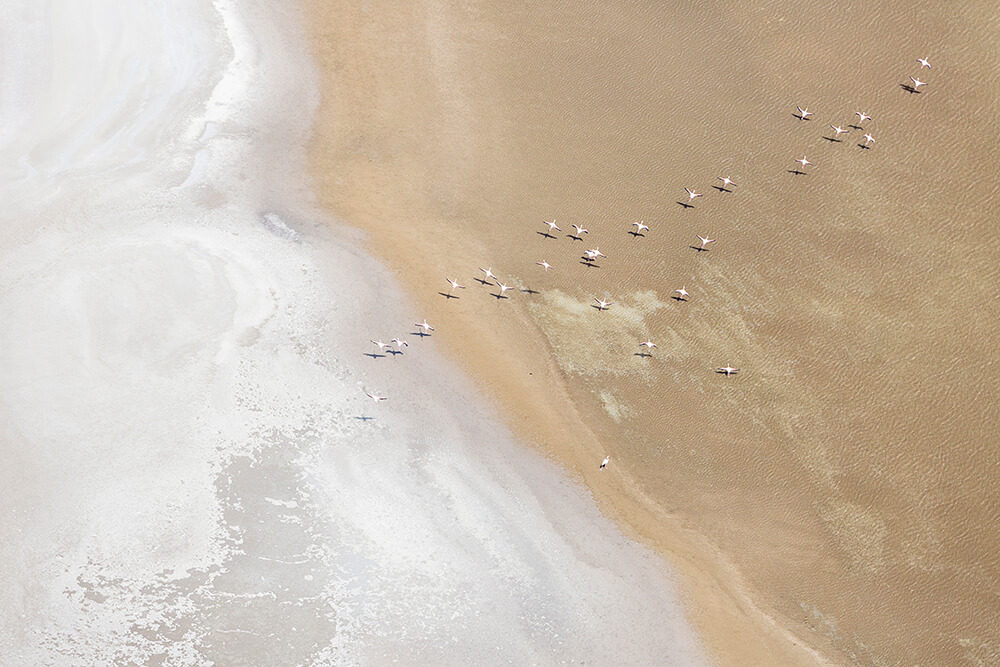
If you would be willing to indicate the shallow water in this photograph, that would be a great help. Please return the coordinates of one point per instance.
(194, 475)
(849, 469)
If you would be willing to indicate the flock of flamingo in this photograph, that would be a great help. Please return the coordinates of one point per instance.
(590, 256)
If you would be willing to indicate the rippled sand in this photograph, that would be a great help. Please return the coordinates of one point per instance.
(845, 480)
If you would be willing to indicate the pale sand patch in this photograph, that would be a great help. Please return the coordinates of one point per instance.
(616, 409)
(589, 345)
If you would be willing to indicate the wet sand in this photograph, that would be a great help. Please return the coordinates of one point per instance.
(838, 495)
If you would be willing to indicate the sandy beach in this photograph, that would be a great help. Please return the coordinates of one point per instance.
(835, 501)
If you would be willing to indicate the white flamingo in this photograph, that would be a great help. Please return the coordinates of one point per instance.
(639, 227)
(503, 288)
(682, 292)
(726, 181)
(839, 130)
(580, 230)
(399, 342)
(728, 370)
(454, 285)
(375, 397)
(423, 325)
(804, 162)
(692, 194)
(553, 227)
(381, 345)
(862, 116)
(545, 265)
(488, 273)
(602, 304)
(648, 344)
(923, 63)
(869, 139)
(917, 83)
(804, 113)
(704, 241)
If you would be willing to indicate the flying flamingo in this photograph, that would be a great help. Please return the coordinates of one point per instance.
(804, 162)
(917, 83)
(375, 397)
(869, 139)
(862, 116)
(639, 227)
(381, 345)
(602, 304)
(692, 194)
(488, 272)
(726, 181)
(399, 342)
(580, 230)
(682, 292)
(553, 227)
(454, 285)
(503, 288)
(704, 242)
(423, 325)
(648, 344)
(545, 265)
(839, 130)
(728, 370)
(804, 113)
(923, 63)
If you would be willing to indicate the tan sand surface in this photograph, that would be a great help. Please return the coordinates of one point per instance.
(838, 496)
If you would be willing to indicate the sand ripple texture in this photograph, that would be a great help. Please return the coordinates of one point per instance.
(186, 477)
